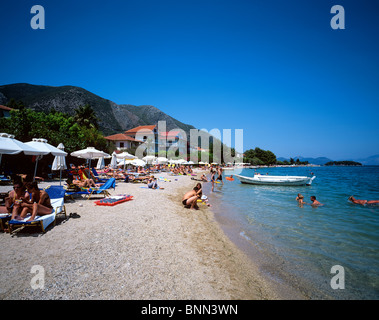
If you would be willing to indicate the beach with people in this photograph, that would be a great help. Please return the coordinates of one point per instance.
(150, 247)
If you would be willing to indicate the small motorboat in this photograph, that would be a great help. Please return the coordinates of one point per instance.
(277, 180)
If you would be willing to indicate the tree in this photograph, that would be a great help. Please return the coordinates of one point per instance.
(85, 116)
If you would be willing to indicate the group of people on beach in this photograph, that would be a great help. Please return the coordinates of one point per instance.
(191, 198)
(26, 198)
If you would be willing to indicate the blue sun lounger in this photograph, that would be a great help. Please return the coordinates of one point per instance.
(96, 175)
(111, 183)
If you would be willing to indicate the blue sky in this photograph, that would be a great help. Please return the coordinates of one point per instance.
(275, 69)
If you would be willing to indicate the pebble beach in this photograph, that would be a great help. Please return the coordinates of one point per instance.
(149, 248)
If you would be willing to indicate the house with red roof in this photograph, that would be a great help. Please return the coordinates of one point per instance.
(134, 137)
(123, 141)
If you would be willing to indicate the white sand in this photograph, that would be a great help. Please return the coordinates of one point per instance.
(147, 248)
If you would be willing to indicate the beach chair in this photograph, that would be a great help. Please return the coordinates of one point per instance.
(56, 194)
(5, 179)
(97, 177)
(111, 183)
(4, 217)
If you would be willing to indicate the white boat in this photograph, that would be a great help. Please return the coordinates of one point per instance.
(277, 180)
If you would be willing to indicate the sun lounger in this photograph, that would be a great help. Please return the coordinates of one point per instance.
(56, 194)
(111, 183)
(98, 177)
(5, 179)
(4, 217)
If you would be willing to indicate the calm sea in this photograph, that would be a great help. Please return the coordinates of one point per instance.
(300, 245)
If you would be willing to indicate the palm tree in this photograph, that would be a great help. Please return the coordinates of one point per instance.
(85, 116)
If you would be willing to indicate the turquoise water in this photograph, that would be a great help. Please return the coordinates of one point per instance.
(302, 244)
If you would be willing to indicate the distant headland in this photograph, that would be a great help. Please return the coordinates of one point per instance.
(343, 163)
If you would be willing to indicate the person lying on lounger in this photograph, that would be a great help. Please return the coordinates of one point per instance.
(39, 205)
(87, 183)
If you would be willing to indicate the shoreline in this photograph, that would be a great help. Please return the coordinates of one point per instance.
(252, 255)
(149, 248)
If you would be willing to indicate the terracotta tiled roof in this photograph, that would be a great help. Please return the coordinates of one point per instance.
(121, 137)
(140, 128)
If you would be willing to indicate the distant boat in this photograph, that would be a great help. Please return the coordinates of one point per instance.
(277, 180)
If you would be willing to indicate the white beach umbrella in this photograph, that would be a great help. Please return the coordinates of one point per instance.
(149, 159)
(45, 148)
(161, 160)
(89, 153)
(100, 163)
(126, 156)
(114, 161)
(138, 163)
(59, 163)
(10, 145)
(182, 161)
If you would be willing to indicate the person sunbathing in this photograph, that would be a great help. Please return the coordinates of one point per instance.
(362, 202)
(87, 183)
(14, 199)
(38, 205)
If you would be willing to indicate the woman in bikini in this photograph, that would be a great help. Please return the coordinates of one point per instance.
(14, 200)
(38, 205)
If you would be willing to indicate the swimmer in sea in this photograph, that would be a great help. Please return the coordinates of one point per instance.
(300, 199)
(363, 202)
(315, 203)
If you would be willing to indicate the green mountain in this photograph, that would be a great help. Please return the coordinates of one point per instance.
(113, 118)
